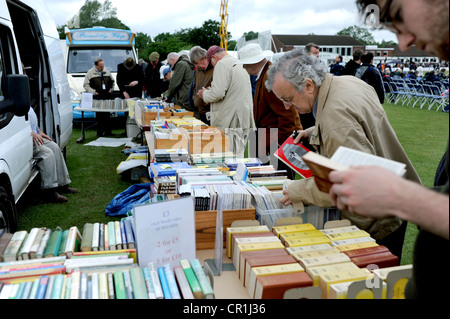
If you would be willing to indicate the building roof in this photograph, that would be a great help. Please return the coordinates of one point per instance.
(412, 52)
(321, 40)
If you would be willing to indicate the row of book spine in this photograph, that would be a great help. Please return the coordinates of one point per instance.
(296, 256)
(43, 242)
(184, 281)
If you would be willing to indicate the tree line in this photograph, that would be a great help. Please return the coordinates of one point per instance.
(94, 13)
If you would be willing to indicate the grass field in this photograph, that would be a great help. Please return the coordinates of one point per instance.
(423, 134)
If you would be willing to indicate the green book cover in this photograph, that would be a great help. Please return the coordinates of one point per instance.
(192, 279)
(208, 292)
(86, 242)
(119, 285)
(138, 283)
(112, 235)
(52, 248)
(62, 246)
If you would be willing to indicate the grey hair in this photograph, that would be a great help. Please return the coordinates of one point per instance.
(197, 53)
(172, 55)
(297, 67)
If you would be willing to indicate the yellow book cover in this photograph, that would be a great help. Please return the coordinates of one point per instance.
(325, 280)
(315, 272)
(301, 234)
(307, 241)
(278, 230)
(248, 229)
(324, 260)
(348, 235)
(356, 246)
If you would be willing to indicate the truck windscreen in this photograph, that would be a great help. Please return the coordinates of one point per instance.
(80, 60)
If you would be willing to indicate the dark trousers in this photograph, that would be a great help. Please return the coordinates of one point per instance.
(394, 242)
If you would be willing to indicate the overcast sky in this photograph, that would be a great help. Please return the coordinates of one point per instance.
(321, 17)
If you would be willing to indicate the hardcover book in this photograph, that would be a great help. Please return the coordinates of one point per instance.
(342, 159)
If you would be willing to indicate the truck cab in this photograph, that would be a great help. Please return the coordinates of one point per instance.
(29, 44)
(83, 46)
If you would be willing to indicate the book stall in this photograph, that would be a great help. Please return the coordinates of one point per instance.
(211, 227)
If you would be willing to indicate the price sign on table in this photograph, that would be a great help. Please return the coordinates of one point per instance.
(165, 232)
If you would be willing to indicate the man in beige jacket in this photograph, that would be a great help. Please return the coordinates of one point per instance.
(231, 99)
(348, 113)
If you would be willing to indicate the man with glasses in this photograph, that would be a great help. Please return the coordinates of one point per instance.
(374, 192)
(348, 113)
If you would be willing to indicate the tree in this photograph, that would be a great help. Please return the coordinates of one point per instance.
(93, 13)
(361, 34)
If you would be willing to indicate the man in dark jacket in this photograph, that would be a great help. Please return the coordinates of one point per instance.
(153, 81)
(130, 79)
(354, 64)
(371, 75)
(180, 83)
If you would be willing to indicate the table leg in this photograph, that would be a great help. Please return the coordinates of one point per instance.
(81, 139)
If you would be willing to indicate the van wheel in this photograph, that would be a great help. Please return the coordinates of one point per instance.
(7, 212)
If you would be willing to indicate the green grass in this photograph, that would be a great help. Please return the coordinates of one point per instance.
(423, 134)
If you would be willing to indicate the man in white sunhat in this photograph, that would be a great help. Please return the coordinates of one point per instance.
(269, 112)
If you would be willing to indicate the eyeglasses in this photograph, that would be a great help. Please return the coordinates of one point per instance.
(288, 101)
(386, 20)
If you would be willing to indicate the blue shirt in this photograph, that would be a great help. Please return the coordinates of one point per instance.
(32, 118)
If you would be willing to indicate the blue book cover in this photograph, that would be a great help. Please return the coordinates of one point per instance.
(164, 283)
(167, 169)
(173, 287)
(40, 294)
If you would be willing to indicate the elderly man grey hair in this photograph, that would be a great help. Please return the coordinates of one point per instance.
(297, 67)
(197, 53)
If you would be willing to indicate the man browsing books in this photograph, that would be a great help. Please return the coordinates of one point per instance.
(348, 113)
(374, 192)
(275, 124)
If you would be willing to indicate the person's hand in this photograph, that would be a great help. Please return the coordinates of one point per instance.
(37, 139)
(286, 201)
(200, 93)
(301, 134)
(134, 83)
(369, 191)
(126, 95)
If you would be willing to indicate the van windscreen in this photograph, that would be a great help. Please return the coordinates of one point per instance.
(81, 60)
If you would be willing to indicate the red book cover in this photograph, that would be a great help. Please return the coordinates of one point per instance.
(382, 260)
(366, 251)
(274, 287)
(291, 154)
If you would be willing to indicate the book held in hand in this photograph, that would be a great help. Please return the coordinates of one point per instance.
(343, 159)
(291, 154)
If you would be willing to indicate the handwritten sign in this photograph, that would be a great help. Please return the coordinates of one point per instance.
(165, 232)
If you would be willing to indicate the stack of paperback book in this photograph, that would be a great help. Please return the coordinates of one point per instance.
(102, 276)
(270, 262)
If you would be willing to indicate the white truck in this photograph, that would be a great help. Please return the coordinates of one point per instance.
(29, 38)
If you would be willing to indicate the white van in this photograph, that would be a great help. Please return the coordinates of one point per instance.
(28, 37)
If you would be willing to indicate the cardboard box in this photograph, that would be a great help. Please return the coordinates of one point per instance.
(177, 141)
(208, 140)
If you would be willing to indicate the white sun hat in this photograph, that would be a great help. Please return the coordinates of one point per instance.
(252, 53)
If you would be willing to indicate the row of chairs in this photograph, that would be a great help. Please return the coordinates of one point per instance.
(412, 94)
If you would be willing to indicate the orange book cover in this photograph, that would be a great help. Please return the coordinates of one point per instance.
(274, 287)
(366, 251)
(382, 260)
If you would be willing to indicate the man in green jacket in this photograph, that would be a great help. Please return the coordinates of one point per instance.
(180, 83)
